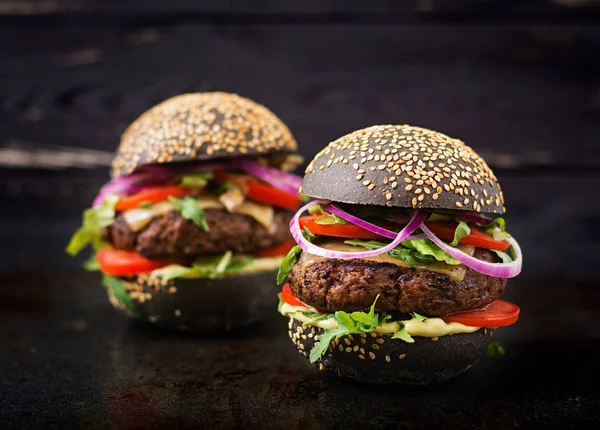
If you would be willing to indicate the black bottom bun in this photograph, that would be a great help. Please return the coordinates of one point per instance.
(379, 359)
(198, 304)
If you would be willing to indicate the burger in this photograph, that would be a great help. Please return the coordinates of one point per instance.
(192, 228)
(400, 259)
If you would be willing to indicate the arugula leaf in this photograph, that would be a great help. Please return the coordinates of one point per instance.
(332, 219)
(494, 348)
(196, 180)
(325, 339)
(497, 229)
(91, 264)
(189, 210)
(94, 220)
(403, 335)
(418, 317)
(354, 323)
(119, 291)
(145, 205)
(288, 263)
(504, 256)
(460, 233)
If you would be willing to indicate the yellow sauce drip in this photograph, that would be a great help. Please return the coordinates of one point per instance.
(431, 327)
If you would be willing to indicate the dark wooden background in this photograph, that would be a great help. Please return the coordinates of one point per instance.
(518, 81)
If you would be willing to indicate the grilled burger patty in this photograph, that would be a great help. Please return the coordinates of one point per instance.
(352, 285)
(170, 236)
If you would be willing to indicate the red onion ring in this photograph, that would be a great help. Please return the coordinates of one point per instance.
(287, 182)
(497, 270)
(414, 224)
(157, 175)
(360, 222)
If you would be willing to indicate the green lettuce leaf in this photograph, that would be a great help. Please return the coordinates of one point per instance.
(196, 180)
(332, 219)
(317, 210)
(189, 210)
(209, 267)
(91, 264)
(414, 252)
(427, 247)
(119, 291)
(504, 256)
(94, 220)
(494, 348)
(497, 229)
(460, 233)
(288, 263)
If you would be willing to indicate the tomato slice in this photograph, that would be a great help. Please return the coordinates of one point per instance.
(153, 195)
(338, 230)
(477, 238)
(499, 313)
(289, 298)
(265, 193)
(117, 262)
(277, 250)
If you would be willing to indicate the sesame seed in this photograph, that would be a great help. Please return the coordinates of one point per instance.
(362, 357)
(402, 356)
(432, 162)
(372, 355)
(388, 358)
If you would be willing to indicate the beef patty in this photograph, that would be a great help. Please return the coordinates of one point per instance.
(170, 236)
(352, 285)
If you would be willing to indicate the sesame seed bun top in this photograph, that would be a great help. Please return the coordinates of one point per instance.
(403, 166)
(201, 126)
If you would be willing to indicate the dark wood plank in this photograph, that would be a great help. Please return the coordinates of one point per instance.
(387, 12)
(524, 96)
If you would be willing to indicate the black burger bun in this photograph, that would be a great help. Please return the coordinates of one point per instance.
(201, 126)
(378, 359)
(197, 304)
(403, 166)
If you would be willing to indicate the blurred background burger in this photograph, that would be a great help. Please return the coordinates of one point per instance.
(191, 229)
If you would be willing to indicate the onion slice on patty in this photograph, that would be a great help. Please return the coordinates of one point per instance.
(417, 219)
(497, 270)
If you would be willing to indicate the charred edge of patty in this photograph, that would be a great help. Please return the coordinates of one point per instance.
(170, 236)
(353, 285)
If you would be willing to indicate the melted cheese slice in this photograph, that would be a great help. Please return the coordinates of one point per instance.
(456, 272)
(431, 327)
(139, 218)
